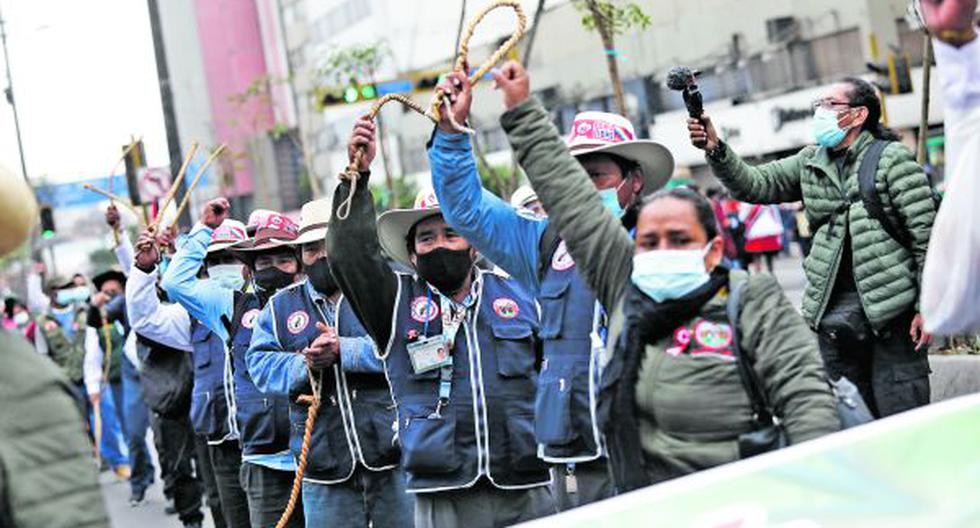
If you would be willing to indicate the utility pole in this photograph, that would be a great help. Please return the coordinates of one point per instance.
(167, 102)
(10, 98)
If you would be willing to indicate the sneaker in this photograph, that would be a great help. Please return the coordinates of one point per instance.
(136, 498)
(122, 472)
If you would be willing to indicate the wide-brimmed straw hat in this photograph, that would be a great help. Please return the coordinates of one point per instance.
(229, 233)
(523, 196)
(394, 225)
(603, 132)
(314, 219)
(272, 231)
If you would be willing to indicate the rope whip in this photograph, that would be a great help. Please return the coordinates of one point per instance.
(440, 99)
(314, 407)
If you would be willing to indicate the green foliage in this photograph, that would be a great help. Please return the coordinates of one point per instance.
(102, 259)
(351, 64)
(617, 17)
(404, 189)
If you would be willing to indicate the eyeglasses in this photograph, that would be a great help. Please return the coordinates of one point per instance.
(830, 104)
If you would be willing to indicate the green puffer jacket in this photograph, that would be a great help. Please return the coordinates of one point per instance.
(886, 273)
(47, 475)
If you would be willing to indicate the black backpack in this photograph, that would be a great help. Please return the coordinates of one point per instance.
(166, 378)
(869, 193)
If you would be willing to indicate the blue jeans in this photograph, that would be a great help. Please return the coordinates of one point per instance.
(112, 448)
(136, 422)
(368, 498)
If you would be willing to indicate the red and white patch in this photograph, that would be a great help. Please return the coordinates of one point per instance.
(682, 338)
(248, 319)
(297, 322)
(562, 261)
(506, 308)
(424, 309)
(713, 336)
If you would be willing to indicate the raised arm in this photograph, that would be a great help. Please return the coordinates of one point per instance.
(602, 249)
(355, 252)
(509, 239)
(204, 300)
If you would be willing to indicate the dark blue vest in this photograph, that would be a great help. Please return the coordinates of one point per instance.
(356, 420)
(209, 406)
(564, 407)
(263, 419)
(487, 429)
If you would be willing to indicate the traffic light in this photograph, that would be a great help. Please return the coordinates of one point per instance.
(350, 94)
(47, 221)
(894, 75)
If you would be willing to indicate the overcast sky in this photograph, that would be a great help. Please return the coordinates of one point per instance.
(85, 79)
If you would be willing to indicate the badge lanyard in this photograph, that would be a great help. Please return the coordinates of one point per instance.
(452, 318)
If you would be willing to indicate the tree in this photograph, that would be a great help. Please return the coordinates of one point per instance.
(359, 64)
(611, 18)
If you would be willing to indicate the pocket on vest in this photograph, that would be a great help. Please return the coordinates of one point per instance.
(514, 352)
(552, 308)
(428, 443)
(552, 407)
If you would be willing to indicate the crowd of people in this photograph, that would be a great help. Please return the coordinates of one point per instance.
(473, 361)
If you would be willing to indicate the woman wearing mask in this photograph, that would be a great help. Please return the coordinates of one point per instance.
(672, 395)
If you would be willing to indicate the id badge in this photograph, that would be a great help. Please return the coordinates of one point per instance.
(429, 353)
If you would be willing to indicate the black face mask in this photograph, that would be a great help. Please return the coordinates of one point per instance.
(321, 277)
(272, 279)
(445, 269)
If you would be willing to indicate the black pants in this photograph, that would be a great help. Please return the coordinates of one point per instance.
(268, 493)
(205, 469)
(890, 373)
(178, 467)
(226, 461)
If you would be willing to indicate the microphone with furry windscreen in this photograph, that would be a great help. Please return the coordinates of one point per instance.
(684, 80)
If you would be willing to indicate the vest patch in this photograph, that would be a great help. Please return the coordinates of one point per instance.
(682, 338)
(297, 322)
(424, 309)
(506, 308)
(713, 336)
(248, 319)
(561, 260)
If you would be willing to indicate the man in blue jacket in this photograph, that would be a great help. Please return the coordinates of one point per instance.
(308, 330)
(623, 168)
(263, 420)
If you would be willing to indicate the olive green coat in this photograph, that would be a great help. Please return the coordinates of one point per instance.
(886, 273)
(47, 470)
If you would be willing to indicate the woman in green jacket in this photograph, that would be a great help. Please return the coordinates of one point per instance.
(679, 403)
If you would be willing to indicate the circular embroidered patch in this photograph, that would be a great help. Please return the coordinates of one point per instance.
(424, 309)
(297, 322)
(562, 261)
(713, 336)
(506, 308)
(248, 319)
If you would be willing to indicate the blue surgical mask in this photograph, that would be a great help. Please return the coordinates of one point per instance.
(76, 295)
(826, 131)
(227, 275)
(664, 275)
(610, 199)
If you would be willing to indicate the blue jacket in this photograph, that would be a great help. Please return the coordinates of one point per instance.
(356, 420)
(486, 429)
(210, 397)
(565, 403)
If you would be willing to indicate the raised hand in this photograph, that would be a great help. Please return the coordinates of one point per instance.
(458, 89)
(951, 21)
(703, 134)
(112, 216)
(215, 212)
(363, 137)
(513, 81)
(147, 251)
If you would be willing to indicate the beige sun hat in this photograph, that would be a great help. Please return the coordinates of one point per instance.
(394, 225)
(314, 219)
(594, 132)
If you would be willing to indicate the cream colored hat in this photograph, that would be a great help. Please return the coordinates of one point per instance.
(314, 219)
(594, 132)
(523, 196)
(394, 225)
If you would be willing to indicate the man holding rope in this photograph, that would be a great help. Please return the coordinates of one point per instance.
(230, 312)
(460, 350)
(352, 477)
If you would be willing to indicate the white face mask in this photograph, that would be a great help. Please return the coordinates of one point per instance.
(671, 273)
(228, 275)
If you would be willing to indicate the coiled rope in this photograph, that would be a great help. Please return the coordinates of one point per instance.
(313, 400)
(439, 99)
